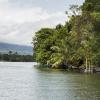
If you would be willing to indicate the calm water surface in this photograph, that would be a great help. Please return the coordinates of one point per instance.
(21, 81)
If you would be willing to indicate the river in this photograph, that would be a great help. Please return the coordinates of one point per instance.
(22, 81)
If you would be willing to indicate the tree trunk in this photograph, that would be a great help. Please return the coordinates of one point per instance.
(86, 65)
(89, 66)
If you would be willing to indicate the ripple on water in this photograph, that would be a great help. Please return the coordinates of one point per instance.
(21, 81)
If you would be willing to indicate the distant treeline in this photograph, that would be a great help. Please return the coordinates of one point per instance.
(15, 57)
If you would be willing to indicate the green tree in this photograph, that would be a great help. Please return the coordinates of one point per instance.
(76, 41)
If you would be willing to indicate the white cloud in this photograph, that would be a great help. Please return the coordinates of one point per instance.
(20, 15)
(17, 24)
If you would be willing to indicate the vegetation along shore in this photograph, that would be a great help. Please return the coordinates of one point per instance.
(15, 57)
(73, 45)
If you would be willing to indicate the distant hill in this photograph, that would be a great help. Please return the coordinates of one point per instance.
(21, 49)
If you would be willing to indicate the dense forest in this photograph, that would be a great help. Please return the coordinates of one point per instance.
(15, 57)
(77, 43)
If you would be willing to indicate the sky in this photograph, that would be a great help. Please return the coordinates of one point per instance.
(20, 19)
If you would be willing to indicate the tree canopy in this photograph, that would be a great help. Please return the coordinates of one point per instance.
(77, 43)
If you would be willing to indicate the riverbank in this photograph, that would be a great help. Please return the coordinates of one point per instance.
(69, 69)
(15, 57)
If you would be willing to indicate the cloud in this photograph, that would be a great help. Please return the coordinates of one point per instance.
(18, 25)
(20, 15)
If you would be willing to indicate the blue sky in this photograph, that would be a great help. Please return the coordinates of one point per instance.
(20, 19)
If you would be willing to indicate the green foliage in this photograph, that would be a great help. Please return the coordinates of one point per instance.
(91, 5)
(76, 43)
(15, 57)
(42, 43)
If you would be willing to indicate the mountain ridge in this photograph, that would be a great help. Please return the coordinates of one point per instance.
(20, 49)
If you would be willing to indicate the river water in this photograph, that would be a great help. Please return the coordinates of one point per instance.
(22, 81)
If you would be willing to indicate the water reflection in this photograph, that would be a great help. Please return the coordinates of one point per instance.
(21, 81)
